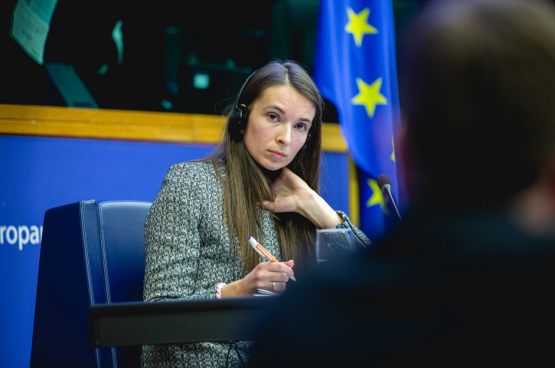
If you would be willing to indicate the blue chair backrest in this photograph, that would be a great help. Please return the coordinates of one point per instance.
(91, 252)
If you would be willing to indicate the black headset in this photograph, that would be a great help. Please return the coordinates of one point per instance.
(239, 116)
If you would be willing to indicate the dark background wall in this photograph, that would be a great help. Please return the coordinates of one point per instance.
(167, 43)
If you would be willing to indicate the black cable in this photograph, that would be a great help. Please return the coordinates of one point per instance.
(227, 359)
(239, 355)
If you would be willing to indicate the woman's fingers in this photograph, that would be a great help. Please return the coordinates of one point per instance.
(267, 205)
(268, 274)
(289, 263)
(281, 204)
(278, 267)
(273, 206)
(276, 287)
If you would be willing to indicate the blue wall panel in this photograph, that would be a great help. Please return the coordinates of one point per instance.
(40, 173)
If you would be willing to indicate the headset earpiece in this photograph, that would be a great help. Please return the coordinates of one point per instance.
(239, 116)
(237, 122)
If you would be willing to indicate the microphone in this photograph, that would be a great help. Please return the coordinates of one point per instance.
(385, 185)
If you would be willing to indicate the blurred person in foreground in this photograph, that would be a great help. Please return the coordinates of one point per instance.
(468, 275)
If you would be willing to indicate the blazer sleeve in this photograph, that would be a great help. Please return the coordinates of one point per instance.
(172, 239)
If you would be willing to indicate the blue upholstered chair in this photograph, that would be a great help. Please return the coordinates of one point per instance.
(92, 252)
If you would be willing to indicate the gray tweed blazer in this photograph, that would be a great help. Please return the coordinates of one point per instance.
(188, 253)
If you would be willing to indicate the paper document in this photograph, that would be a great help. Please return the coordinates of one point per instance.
(30, 26)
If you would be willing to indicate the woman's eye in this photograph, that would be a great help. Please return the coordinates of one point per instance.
(273, 117)
(301, 127)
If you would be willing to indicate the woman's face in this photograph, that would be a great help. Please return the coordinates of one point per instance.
(278, 126)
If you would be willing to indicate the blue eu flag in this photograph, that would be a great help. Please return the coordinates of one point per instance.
(355, 69)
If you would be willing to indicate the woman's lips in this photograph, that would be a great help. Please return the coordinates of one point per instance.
(277, 154)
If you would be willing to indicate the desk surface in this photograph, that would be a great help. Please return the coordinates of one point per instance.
(175, 322)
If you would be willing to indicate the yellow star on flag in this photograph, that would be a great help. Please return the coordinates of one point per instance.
(358, 25)
(393, 153)
(377, 196)
(369, 96)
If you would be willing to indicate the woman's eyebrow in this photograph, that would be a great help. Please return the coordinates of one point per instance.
(283, 112)
(275, 107)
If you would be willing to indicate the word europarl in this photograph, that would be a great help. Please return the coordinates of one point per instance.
(20, 234)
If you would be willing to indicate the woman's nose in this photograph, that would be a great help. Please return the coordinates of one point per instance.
(284, 135)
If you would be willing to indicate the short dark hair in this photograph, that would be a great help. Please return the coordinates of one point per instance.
(478, 90)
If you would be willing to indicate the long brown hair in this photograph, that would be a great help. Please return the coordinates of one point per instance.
(246, 183)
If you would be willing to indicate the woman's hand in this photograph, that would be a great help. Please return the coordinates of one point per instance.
(292, 194)
(289, 190)
(263, 276)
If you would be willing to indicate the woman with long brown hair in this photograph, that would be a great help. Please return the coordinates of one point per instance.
(261, 181)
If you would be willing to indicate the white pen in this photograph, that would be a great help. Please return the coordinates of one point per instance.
(264, 253)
